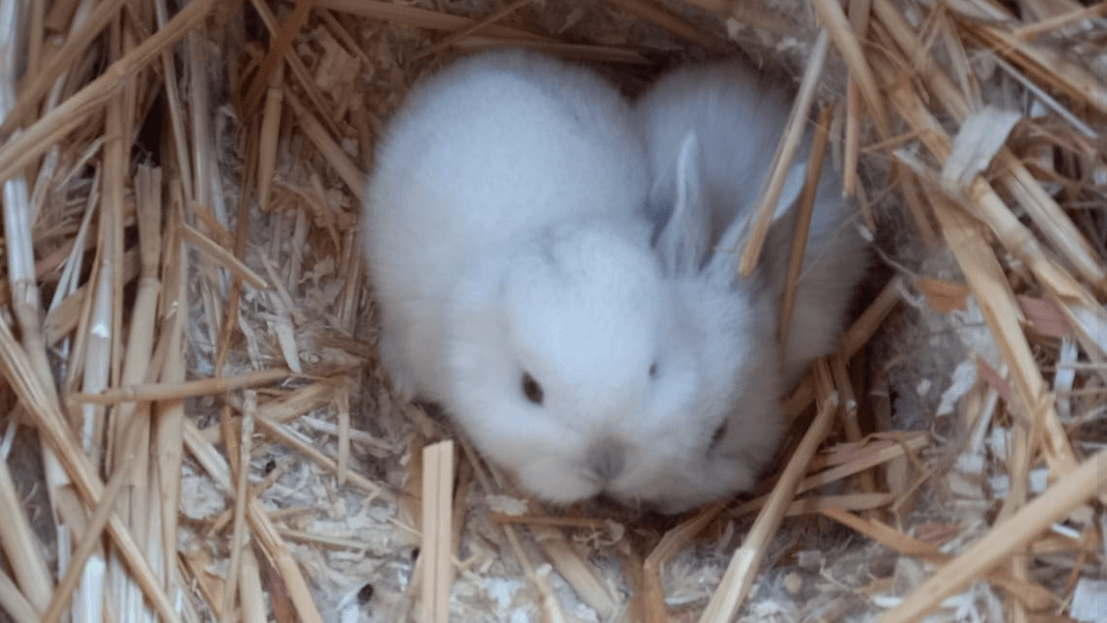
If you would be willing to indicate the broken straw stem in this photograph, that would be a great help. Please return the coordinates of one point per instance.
(742, 571)
(1004, 539)
(769, 194)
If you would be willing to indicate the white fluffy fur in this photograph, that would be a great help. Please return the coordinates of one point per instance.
(710, 133)
(738, 119)
(506, 233)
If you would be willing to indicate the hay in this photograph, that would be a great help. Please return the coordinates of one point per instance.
(196, 427)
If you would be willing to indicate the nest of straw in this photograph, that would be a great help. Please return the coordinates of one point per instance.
(195, 426)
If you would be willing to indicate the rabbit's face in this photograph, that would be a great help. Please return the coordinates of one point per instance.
(575, 371)
(733, 422)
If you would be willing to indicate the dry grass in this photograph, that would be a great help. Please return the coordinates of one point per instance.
(195, 426)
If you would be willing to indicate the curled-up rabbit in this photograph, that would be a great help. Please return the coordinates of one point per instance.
(710, 134)
(728, 122)
(513, 270)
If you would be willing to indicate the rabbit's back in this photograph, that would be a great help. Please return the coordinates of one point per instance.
(738, 119)
(494, 147)
(489, 152)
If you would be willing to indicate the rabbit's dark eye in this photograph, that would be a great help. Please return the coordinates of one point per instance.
(718, 435)
(653, 369)
(531, 389)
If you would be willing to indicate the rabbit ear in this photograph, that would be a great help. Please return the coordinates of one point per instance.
(793, 186)
(722, 266)
(723, 263)
(682, 241)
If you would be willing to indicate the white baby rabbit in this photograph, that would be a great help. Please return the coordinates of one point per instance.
(510, 254)
(728, 121)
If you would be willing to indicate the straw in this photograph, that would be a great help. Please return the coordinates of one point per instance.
(769, 195)
(262, 529)
(663, 18)
(35, 582)
(137, 368)
(762, 18)
(17, 370)
(14, 603)
(168, 433)
(651, 595)
(60, 62)
(746, 560)
(437, 552)
(241, 492)
(475, 27)
(1074, 489)
(221, 256)
(845, 39)
(90, 541)
(805, 205)
(420, 18)
(20, 150)
(1031, 595)
(164, 391)
(576, 571)
(277, 51)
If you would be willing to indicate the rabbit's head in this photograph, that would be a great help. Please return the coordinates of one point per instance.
(738, 118)
(593, 364)
(570, 367)
(733, 335)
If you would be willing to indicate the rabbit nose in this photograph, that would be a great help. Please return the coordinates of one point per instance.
(606, 460)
